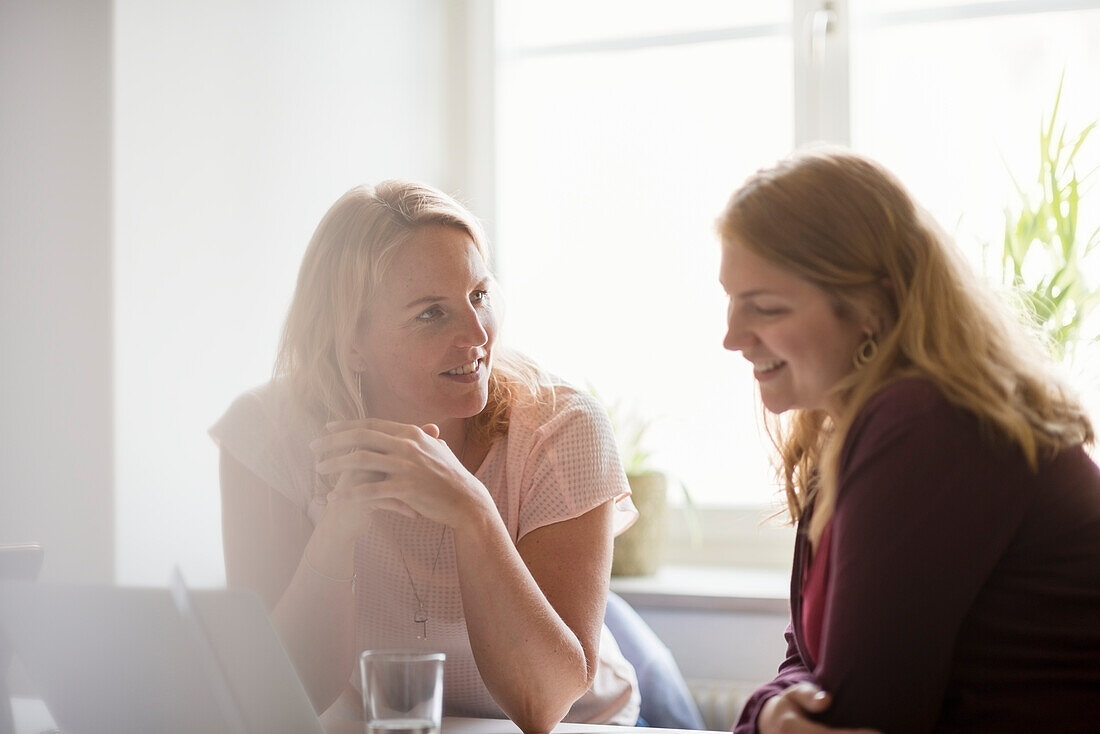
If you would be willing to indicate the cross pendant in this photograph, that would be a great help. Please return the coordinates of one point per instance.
(421, 618)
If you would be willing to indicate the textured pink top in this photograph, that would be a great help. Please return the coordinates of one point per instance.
(558, 461)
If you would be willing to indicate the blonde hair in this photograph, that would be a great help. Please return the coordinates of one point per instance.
(848, 226)
(347, 258)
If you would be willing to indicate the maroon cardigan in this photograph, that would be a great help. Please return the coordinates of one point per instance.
(964, 591)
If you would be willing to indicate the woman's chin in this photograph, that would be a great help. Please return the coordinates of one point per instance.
(773, 403)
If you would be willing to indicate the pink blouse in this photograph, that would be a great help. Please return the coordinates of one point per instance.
(558, 461)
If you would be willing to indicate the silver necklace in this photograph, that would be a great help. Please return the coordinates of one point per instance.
(420, 616)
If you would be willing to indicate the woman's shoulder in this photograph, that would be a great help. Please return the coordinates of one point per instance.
(266, 399)
(558, 408)
(269, 404)
(907, 429)
(263, 430)
(907, 398)
(914, 411)
(556, 399)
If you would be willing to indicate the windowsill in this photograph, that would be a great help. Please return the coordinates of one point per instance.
(738, 538)
(707, 588)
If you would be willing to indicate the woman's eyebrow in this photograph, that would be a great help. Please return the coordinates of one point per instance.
(424, 300)
(755, 292)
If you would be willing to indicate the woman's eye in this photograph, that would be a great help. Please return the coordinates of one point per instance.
(430, 315)
(768, 311)
(481, 296)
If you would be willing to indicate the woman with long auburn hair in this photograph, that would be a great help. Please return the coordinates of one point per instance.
(947, 564)
(405, 482)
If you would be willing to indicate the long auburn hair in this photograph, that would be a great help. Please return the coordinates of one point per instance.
(347, 258)
(847, 225)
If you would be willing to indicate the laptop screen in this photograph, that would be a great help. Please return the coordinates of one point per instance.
(111, 659)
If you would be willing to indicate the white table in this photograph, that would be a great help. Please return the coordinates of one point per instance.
(32, 717)
(456, 725)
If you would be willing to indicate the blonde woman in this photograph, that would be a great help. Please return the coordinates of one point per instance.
(947, 564)
(405, 482)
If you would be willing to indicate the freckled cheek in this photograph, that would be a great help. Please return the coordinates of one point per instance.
(490, 323)
(781, 343)
(400, 360)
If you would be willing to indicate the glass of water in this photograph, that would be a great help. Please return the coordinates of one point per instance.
(402, 691)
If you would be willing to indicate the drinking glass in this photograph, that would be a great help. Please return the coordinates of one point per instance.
(402, 691)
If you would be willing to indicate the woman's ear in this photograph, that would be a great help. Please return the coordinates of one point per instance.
(873, 327)
(356, 359)
(881, 311)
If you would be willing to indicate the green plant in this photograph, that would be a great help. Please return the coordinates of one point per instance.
(631, 430)
(1043, 255)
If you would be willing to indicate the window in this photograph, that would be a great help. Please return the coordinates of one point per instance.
(622, 127)
(615, 157)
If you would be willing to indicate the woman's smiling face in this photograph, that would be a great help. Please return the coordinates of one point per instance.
(789, 329)
(424, 349)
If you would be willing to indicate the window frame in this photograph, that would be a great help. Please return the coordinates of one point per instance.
(821, 31)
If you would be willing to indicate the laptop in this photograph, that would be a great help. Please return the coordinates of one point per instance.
(19, 562)
(116, 660)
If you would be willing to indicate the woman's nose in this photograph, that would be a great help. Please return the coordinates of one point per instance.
(731, 342)
(472, 332)
(737, 337)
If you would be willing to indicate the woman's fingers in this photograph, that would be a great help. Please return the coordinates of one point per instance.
(341, 434)
(790, 712)
(374, 459)
(351, 479)
(809, 697)
(360, 436)
(382, 437)
(377, 424)
(366, 505)
(364, 460)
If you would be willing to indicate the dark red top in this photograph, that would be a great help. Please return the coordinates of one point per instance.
(964, 590)
(815, 584)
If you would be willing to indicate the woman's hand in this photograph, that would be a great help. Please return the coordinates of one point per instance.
(400, 467)
(789, 712)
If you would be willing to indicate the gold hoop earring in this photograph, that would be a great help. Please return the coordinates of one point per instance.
(866, 352)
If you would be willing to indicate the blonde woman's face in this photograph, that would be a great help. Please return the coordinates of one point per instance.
(425, 349)
(788, 329)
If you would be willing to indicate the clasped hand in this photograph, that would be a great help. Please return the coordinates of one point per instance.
(383, 465)
(791, 712)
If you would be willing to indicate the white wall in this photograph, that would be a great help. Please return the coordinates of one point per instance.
(236, 125)
(55, 283)
(733, 646)
(212, 135)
